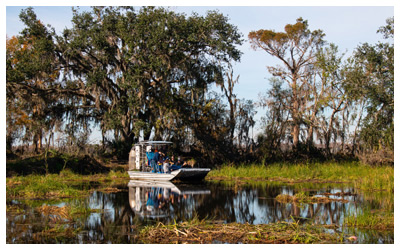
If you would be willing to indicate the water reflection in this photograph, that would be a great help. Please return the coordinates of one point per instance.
(117, 217)
(259, 206)
(154, 200)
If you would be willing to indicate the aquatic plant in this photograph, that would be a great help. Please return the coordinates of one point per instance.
(371, 219)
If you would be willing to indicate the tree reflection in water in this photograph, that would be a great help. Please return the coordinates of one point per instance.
(117, 217)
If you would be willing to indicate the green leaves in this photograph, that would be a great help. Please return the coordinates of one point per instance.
(131, 71)
(371, 77)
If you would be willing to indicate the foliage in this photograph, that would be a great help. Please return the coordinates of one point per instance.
(57, 162)
(317, 97)
(135, 73)
(146, 70)
(32, 71)
(147, 73)
(296, 48)
(371, 76)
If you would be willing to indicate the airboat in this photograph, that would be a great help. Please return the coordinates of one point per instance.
(139, 169)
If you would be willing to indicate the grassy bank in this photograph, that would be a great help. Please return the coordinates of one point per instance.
(361, 176)
(62, 185)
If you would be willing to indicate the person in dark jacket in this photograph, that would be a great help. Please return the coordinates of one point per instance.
(175, 164)
(153, 158)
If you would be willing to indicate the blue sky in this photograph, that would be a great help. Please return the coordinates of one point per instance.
(346, 26)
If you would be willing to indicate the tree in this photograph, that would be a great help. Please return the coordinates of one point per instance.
(329, 96)
(296, 48)
(31, 71)
(276, 122)
(371, 76)
(244, 119)
(145, 71)
(227, 90)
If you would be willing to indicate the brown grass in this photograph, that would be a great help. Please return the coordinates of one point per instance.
(204, 233)
(55, 213)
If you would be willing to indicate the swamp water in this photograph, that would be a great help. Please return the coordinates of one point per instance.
(117, 217)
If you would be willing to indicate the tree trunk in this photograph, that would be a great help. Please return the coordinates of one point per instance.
(296, 134)
(37, 140)
(296, 120)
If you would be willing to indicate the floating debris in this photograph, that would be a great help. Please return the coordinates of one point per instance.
(285, 198)
(110, 190)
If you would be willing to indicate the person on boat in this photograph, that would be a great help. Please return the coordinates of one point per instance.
(160, 162)
(175, 164)
(152, 158)
(166, 165)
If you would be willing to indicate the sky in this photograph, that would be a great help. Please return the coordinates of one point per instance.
(347, 25)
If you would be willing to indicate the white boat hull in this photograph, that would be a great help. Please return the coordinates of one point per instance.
(181, 174)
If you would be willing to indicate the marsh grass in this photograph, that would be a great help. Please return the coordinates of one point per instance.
(62, 185)
(55, 232)
(361, 176)
(371, 219)
(208, 232)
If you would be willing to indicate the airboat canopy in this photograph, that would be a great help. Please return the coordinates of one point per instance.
(137, 155)
(153, 143)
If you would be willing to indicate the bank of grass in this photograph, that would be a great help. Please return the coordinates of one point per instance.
(361, 176)
(63, 185)
(370, 219)
(206, 232)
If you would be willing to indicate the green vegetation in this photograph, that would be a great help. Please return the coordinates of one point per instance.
(379, 220)
(54, 163)
(206, 232)
(360, 175)
(56, 186)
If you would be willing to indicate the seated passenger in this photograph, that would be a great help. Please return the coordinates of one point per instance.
(175, 164)
(166, 165)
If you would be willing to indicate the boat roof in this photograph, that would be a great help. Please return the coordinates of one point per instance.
(153, 142)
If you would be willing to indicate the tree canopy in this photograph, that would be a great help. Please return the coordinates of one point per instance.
(132, 72)
(149, 73)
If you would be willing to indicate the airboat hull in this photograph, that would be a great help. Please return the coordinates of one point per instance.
(180, 174)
